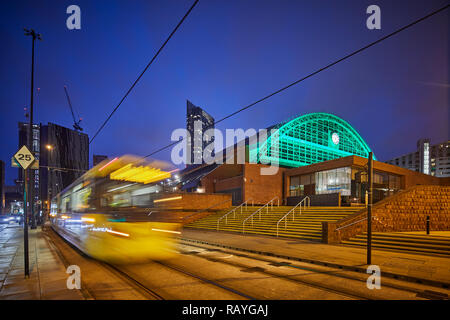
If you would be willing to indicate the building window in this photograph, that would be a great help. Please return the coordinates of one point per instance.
(334, 181)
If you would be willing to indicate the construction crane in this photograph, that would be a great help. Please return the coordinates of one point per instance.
(76, 124)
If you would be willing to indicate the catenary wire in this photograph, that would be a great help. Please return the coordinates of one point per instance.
(145, 69)
(313, 73)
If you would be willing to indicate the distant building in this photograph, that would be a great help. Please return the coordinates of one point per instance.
(13, 200)
(36, 145)
(96, 159)
(2, 186)
(428, 159)
(64, 158)
(198, 121)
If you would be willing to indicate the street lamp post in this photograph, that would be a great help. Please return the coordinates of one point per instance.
(34, 36)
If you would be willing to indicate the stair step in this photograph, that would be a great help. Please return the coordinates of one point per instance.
(402, 244)
(307, 225)
(400, 248)
(297, 234)
(407, 240)
(411, 236)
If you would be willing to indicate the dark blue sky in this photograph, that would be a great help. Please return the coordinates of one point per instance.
(226, 54)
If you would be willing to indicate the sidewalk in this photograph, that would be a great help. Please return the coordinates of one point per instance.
(433, 270)
(47, 272)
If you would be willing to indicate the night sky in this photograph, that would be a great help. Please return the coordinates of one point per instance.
(226, 55)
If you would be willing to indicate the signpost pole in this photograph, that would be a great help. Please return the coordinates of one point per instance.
(24, 159)
(25, 225)
(29, 173)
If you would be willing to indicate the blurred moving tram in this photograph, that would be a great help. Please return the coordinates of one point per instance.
(107, 212)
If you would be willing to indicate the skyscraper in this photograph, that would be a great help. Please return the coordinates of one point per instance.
(198, 122)
(35, 148)
(64, 158)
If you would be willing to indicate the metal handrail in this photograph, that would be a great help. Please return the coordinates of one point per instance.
(350, 224)
(355, 222)
(234, 212)
(259, 211)
(293, 212)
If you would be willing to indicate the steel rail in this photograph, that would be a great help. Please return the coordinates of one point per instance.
(206, 280)
(334, 272)
(293, 212)
(233, 211)
(259, 211)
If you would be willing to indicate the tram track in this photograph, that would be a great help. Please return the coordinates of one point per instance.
(333, 272)
(136, 283)
(214, 283)
(311, 284)
(133, 280)
(149, 289)
(88, 291)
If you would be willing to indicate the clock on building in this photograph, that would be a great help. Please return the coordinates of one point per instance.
(335, 138)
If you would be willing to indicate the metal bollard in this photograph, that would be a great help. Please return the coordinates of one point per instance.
(428, 224)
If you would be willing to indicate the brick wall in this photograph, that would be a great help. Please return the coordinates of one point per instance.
(228, 183)
(225, 177)
(194, 201)
(262, 188)
(405, 211)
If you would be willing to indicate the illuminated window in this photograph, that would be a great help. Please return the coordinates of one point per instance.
(426, 158)
(333, 181)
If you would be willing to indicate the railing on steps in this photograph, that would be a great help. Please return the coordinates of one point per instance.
(259, 211)
(374, 218)
(306, 202)
(350, 224)
(233, 211)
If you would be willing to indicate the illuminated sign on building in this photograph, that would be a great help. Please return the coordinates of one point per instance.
(426, 158)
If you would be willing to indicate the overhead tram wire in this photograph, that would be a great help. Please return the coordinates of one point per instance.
(312, 74)
(145, 69)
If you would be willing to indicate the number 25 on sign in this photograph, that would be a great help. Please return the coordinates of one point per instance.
(24, 157)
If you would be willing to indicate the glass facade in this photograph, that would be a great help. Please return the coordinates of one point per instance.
(312, 138)
(351, 183)
(197, 122)
(67, 159)
(333, 181)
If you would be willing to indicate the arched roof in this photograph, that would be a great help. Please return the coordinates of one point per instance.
(310, 138)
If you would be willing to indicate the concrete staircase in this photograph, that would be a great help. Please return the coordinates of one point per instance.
(405, 241)
(308, 225)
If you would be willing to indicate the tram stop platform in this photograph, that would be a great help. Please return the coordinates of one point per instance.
(47, 280)
(414, 267)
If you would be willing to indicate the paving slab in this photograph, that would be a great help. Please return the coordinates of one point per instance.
(47, 278)
(425, 267)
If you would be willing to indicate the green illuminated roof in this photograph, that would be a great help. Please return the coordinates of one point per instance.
(308, 139)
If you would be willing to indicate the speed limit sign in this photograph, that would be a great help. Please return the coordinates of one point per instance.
(24, 157)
